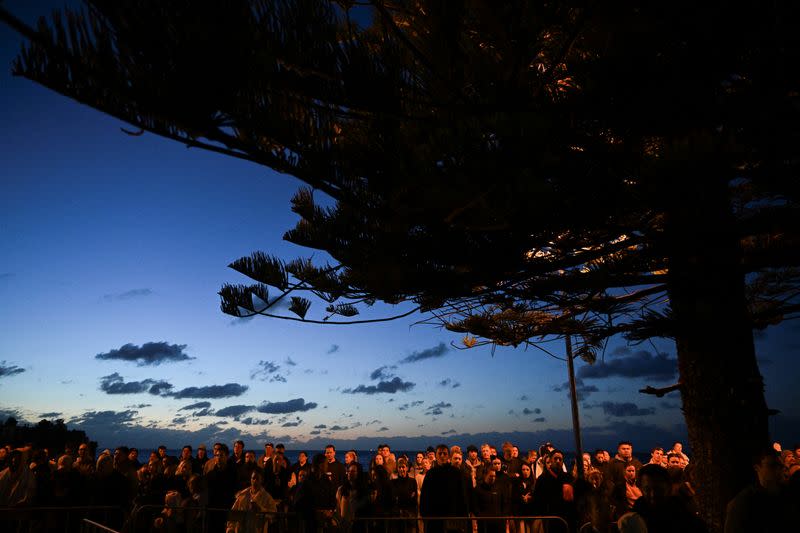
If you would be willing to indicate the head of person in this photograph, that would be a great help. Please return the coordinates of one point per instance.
(673, 460)
(430, 453)
(238, 448)
(515, 451)
(555, 460)
(330, 453)
(656, 454)
(15, 462)
(525, 470)
(186, 452)
(472, 453)
(201, 452)
(378, 459)
(442, 454)
(587, 462)
(508, 449)
(768, 468)
(83, 451)
(184, 468)
(490, 476)
(162, 451)
(222, 453)
(302, 458)
(319, 465)
(121, 457)
(426, 464)
(497, 463)
(195, 483)
(630, 473)
(486, 452)
(456, 459)
(385, 450)
(533, 455)
(250, 457)
(255, 479)
(352, 473)
(625, 450)
(133, 455)
(419, 457)
(654, 482)
(269, 449)
(402, 468)
(677, 447)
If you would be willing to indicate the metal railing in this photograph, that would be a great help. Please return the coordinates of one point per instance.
(57, 519)
(157, 518)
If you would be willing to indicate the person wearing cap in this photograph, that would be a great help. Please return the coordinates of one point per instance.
(553, 494)
(200, 460)
(472, 462)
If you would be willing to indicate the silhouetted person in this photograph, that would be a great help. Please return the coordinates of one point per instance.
(442, 494)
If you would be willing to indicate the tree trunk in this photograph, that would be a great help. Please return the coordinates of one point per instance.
(722, 389)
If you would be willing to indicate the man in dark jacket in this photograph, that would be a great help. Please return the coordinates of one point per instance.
(442, 494)
(553, 493)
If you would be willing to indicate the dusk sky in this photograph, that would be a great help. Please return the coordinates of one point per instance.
(113, 248)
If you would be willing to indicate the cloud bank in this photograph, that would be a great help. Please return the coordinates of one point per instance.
(148, 354)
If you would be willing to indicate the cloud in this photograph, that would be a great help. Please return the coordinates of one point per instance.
(234, 411)
(212, 391)
(388, 387)
(9, 370)
(430, 353)
(264, 370)
(337, 428)
(5, 414)
(384, 428)
(320, 426)
(523, 398)
(535, 411)
(179, 420)
(540, 419)
(115, 384)
(641, 364)
(127, 295)
(290, 424)
(139, 406)
(436, 409)
(250, 421)
(405, 406)
(204, 412)
(290, 362)
(47, 416)
(623, 409)
(582, 390)
(290, 406)
(148, 354)
(315, 432)
(382, 373)
(198, 405)
(449, 432)
(449, 383)
(333, 349)
(104, 419)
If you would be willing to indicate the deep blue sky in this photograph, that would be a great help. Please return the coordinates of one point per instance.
(109, 240)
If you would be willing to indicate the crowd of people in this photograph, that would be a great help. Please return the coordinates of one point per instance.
(446, 481)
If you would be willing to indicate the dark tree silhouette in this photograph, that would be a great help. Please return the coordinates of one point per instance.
(517, 169)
